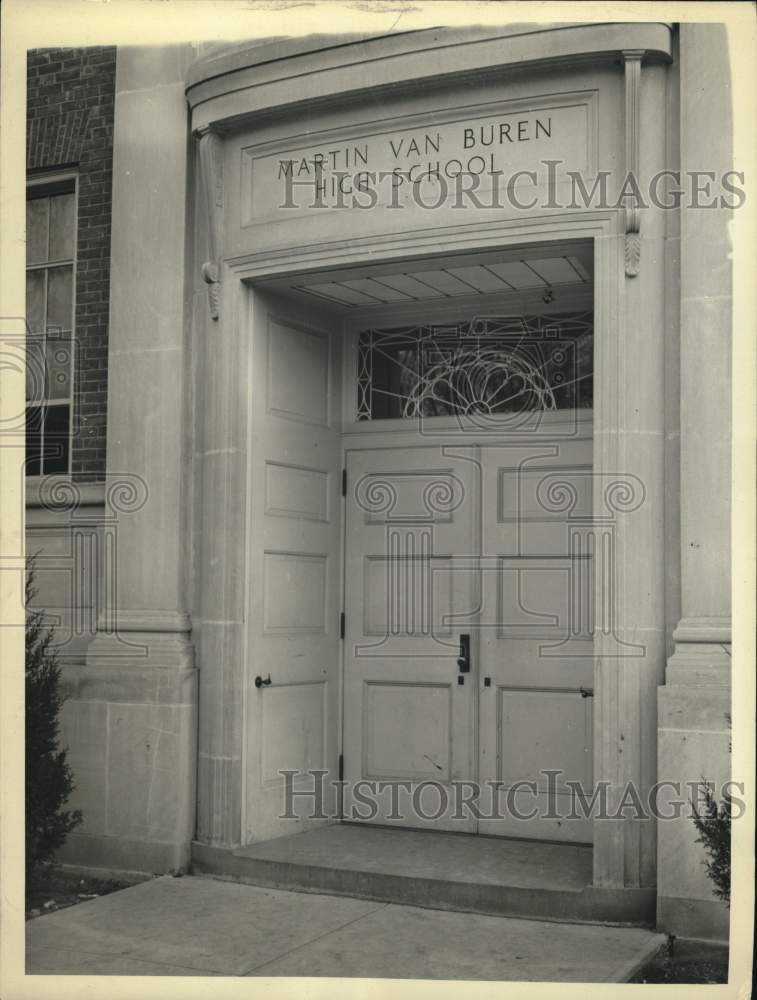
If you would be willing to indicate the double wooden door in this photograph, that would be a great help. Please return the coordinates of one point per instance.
(468, 667)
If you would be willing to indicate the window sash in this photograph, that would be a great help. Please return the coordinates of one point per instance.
(50, 389)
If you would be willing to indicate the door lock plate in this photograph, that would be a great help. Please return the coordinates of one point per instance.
(463, 660)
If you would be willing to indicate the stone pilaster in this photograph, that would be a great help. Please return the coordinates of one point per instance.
(221, 447)
(694, 704)
(629, 498)
(140, 666)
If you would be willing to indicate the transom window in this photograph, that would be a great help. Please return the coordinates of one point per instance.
(486, 365)
(50, 268)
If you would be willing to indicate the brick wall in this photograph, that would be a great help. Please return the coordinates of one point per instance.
(70, 99)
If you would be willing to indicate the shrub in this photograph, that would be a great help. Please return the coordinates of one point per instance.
(714, 827)
(49, 781)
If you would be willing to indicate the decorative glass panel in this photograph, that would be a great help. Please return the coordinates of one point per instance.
(485, 365)
(36, 230)
(62, 227)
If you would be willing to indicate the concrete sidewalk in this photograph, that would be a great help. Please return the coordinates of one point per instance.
(202, 927)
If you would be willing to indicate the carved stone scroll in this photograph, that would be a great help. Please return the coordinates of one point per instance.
(632, 60)
(211, 181)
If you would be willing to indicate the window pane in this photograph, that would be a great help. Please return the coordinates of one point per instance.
(35, 370)
(56, 440)
(395, 371)
(33, 414)
(35, 300)
(62, 226)
(59, 282)
(58, 350)
(36, 230)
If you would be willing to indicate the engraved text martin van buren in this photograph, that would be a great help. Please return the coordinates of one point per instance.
(412, 148)
(396, 161)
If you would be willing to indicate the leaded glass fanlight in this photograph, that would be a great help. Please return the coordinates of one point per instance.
(485, 365)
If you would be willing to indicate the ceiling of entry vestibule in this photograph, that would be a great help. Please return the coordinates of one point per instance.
(457, 277)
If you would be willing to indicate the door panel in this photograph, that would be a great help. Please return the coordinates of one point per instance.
(536, 637)
(294, 559)
(411, 519)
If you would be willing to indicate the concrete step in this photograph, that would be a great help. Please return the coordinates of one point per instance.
(444, 871)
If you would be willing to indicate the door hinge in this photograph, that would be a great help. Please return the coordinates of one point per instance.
(342, 625)
(344, 482)
(341, 767)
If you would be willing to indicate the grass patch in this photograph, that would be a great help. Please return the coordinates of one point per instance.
(686, 962)
(56, 888)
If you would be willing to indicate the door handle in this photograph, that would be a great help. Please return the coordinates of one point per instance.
(463, 660)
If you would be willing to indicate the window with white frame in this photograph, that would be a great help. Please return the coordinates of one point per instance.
(50, 270)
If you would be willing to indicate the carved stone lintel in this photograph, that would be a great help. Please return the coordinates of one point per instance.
(632, 61)
(211, 180)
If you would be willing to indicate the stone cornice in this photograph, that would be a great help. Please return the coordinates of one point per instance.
(230, 90)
